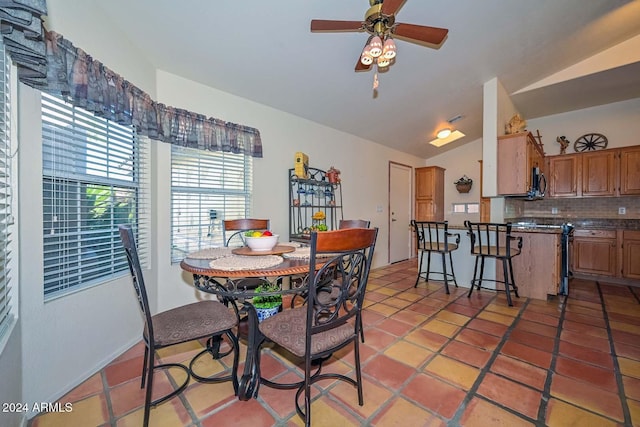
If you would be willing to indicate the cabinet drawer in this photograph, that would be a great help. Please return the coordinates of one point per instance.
(600, 234)
(631, 234)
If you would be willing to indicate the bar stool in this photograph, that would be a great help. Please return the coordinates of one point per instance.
(493, 240)
(433, 237)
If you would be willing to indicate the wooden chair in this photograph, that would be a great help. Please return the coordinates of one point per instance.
(494, 240)
(323, 326)
(202, 319)
(353, 223)
(235, 228)
(433, 237)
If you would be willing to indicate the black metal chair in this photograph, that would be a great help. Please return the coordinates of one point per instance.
(433, 237)
(322, 326)
(494, 240)
(202, 319)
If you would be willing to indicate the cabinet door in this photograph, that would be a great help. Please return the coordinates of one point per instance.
(594, 252)
(425, 209)
(631, 254)
(564, 174)
(599, 174)
(630, 171)
(425, 183)
(513, 172)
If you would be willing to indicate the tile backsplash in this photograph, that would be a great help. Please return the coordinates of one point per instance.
(588, 207)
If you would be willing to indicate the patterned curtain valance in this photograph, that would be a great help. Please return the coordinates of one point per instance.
(63, 69)
(23, 35)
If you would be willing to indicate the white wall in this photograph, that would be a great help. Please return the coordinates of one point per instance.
(619, 122)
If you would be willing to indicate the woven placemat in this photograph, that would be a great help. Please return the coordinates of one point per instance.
(239, 262)
(299, 253)
(210, 253)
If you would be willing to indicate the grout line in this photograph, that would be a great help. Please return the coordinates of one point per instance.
(616, 366)
(546, 393)
(455, 420)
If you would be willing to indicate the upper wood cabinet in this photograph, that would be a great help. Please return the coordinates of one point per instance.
(518, 154)
(630, 171)
(613, 172)
(599, 173)
(429, 194)
(565, 175)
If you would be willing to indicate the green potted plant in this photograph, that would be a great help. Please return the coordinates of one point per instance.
(269, 304)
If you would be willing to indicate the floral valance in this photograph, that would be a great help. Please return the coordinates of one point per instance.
(86, 82)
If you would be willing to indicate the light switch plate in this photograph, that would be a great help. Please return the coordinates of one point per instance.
(554, 211)
(622, 211)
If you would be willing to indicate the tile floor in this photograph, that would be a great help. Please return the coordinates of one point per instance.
(429, 360)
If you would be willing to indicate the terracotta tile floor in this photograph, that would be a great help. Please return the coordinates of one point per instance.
(430, 359)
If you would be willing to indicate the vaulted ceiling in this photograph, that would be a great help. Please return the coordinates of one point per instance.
(265, 52)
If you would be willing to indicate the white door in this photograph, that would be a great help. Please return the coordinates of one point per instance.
(399, 212)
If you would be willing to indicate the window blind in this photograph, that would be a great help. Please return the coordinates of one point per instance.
(5, 191)
(206, 188)
(94, 178)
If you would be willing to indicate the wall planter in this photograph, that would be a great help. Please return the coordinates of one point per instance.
(463, 185)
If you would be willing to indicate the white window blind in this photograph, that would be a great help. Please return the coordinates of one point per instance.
(5, 191)
(206, 188)
(94, 178)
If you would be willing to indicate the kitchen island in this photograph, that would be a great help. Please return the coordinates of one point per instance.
(537, 270)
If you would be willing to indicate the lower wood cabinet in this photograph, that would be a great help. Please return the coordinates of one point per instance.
(594, 252)
(537, 270)
(631, 254)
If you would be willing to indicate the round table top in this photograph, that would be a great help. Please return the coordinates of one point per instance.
(288, 266)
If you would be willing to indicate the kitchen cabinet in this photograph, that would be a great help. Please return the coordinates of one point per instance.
(429, 182)
(485, 202)
(630, 171)
(565, 175)
(594, 252)
(538, 269)
(599, 177)
(612, 173)
(518, 154)
(631, 254)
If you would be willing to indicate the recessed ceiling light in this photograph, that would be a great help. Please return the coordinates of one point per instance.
(439, 142)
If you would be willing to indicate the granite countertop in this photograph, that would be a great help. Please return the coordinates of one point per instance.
(625, 224)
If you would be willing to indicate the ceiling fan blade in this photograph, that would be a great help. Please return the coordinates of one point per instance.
(328, 25)
(390, 7)
(432, 35)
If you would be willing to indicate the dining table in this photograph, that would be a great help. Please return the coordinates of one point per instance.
(224, 272)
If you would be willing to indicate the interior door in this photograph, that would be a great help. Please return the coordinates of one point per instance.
(399, 212)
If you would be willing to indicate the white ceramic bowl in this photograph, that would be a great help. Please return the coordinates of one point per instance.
(265, 243)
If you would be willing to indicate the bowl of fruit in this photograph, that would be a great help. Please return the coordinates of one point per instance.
(261, 241)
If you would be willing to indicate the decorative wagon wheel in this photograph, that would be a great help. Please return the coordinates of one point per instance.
(590, 141)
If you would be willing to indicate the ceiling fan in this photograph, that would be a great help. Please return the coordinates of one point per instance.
(380, 23)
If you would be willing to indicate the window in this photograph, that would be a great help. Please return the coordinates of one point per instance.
(5, 192)
(93, 180)
(466, 208)
(206, 187)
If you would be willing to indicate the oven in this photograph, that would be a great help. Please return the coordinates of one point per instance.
(567, 235)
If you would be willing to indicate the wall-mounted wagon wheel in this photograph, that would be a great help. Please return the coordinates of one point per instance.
(590, 141)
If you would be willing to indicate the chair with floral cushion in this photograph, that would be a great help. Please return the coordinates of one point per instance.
(322, 326)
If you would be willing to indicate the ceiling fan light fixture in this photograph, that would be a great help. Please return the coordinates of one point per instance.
(375, 47)
(443, 133)
(383, 62)
(389, 49)
(366, 59)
